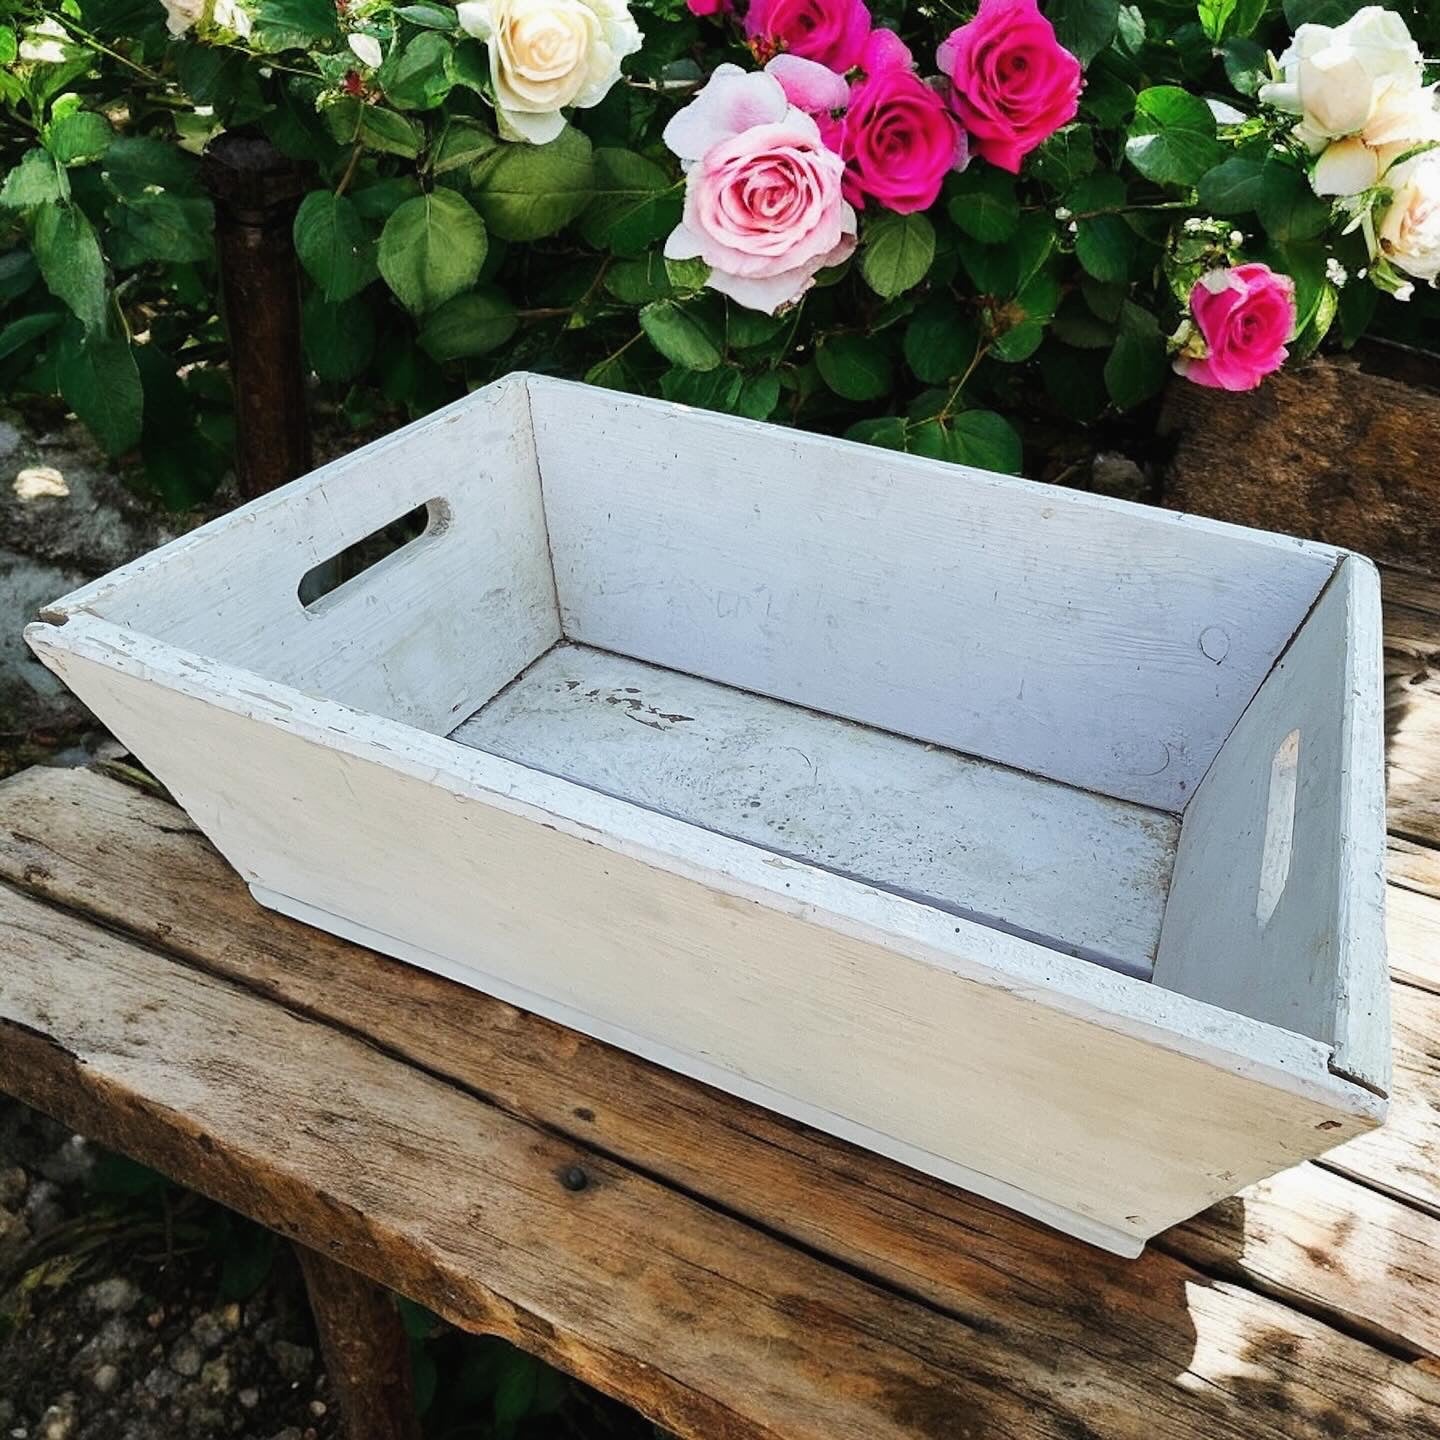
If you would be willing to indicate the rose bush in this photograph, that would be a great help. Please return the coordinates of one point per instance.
(945, 229)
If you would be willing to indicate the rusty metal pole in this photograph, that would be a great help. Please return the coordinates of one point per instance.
(257, 191)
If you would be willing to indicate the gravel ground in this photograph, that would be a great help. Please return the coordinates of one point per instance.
(114, 1321)
(131, 1309)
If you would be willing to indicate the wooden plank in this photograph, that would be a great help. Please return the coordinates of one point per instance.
(1412, 865)
(1322, 1242)
(1081, 872)
(668, 943)
(402, 638)
(1412, 603)
(711, 1328)
(136, 863)
(1326, 450)
(1276, 909)
(1412, 704)
(1412, 745)
(1412, 923)
(1108, 645)
(1403, 1157)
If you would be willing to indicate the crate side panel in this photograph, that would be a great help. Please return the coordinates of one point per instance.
(424, 637)
(1107, 646)
(1276, 906)
(1082, 1119)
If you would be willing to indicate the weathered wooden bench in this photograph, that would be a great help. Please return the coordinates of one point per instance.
(728, 1273)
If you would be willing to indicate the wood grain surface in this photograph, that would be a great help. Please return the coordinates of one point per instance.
(1323, 450)
(730, 1273)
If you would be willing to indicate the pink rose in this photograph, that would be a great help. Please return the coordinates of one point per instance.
(763, 201)
(898, 140)
(811, 86)
(708, 7)
(1014, 84)
(1244, 315)
(830, 31)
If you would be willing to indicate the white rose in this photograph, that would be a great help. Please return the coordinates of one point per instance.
(1403, 119)
(231, 15)
(181, 15)
(1336, 77)
(546, 54)
(1409, 229)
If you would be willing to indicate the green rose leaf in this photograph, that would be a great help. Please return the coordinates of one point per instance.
(19, 333)
(416, 76)
(79, 137)
(293, 24)
(1306, 342)
(1084, 27)
(1106, 246)
(1288, 208)
(681, 335)
(333, 245)
(888, 432)
(1172, 137)
(351, 121)
(169, 227)
(1220, 19)
(1005, 269)
(898, 251)
(1321, 12)
(469, 65)
(637, 282)
(1076, 324)
(759, 396)
(1304, 262)
(432, 247)
(68, 253)
(462, 143)
(1139, 364)
(940, 341)
(745, 328)
(1025, 318)
(98, 377)
(527, 191)
(1107, 99)
(1069, 154)
(34, 181)
(854, 367)
(717, 389)
(982, 202)
(135, 163)
(692, 274)
(1215, 18)
(339, 338)
(429, 17)
(378, 202)
(1234, 187)
(18, 272)
(470, 324)
(636, 203)
(987, 441)
(1246, 65)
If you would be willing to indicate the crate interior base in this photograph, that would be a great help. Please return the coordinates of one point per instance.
(1083, 873)
(1061, 1217)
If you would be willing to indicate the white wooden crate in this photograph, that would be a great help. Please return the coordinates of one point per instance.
(1029, 838)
